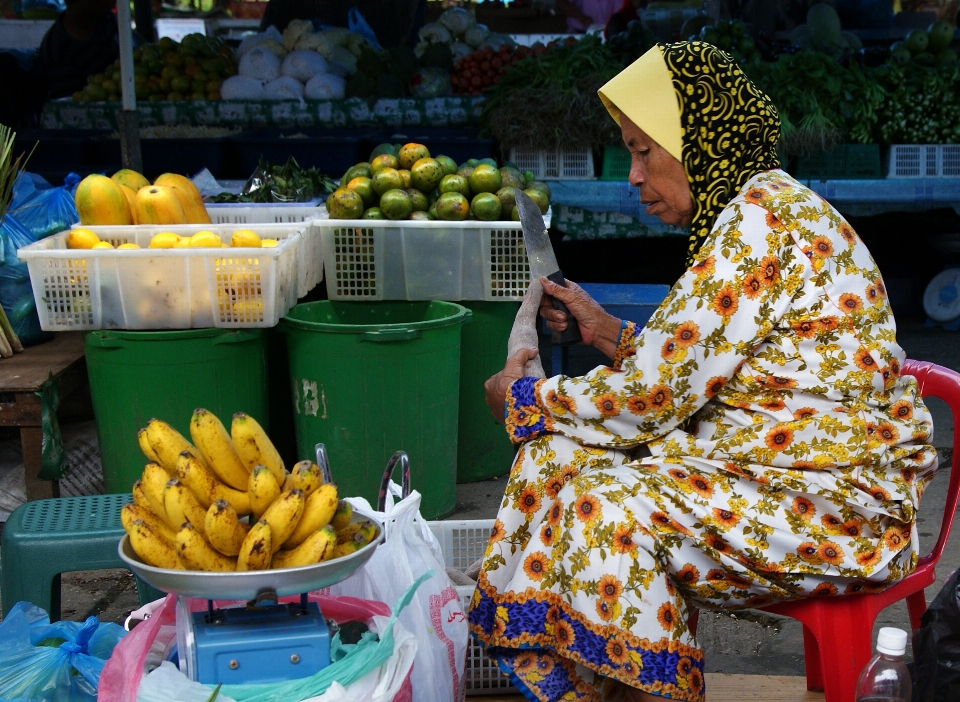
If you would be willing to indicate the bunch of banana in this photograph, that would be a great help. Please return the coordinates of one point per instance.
(192, 499)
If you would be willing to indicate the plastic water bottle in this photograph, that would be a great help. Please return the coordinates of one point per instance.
(886, 678)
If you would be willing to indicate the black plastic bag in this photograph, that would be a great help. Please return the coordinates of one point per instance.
(936, 647)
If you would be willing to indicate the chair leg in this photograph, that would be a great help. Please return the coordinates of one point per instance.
(843, 637)
(811, 660)
(916, 606)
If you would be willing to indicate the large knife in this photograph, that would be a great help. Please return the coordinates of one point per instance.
(543, 262)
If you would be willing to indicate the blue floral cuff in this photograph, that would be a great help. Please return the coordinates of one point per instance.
(627, 346)
(525, 414)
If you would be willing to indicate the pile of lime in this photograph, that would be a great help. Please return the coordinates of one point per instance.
(406, 182)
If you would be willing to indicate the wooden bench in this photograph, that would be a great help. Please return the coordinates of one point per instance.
(20, 379)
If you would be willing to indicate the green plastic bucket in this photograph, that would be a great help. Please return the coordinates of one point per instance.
(135, 376)
(484, 450)
(371, 378)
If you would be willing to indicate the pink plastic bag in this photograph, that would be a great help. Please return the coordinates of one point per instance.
(121, 675)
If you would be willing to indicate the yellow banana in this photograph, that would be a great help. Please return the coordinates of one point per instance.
(361, 532)
(283, 515)
(262, 489)
(305, 476)
(182, 506)
(257, 548)
(343, 515)
(167, 443)
(317, 547)
(146, 447)
(223, 530)
(216, 447)
(131, 512)
(318, 510)
(192, 472)
(152, 548)
(254, 446)
(153, 480)
(196, 554)
(141, 500)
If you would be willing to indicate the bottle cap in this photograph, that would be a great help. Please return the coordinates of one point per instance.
(892, 641)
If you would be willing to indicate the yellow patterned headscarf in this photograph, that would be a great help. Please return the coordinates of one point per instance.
(693, 100)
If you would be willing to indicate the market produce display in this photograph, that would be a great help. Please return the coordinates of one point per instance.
(191, 505)
(287, 183)
(127, 197)
(454, 35)
(193, 69)
(732, 37)
(484, 67)
(926, 47)
(405, 182)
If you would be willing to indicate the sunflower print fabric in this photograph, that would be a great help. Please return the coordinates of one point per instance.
(788, 457)
(730, 129)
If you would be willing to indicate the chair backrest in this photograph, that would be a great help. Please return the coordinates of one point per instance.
(937, 381)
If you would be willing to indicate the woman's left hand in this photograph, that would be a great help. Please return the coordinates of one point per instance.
(496, 386)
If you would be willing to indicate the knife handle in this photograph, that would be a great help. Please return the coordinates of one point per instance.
(570, 335)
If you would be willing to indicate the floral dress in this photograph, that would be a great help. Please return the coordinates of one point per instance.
(754, 443)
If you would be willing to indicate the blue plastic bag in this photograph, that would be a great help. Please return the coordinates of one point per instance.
(16, 293)
(358, 25)
(34, 666)
(42, 208)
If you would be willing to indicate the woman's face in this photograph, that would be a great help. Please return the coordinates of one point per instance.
(662, 181)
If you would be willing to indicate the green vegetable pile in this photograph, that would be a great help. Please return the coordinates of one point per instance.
(549, 99)
(286, 183)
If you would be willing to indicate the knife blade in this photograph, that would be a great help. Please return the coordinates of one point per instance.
(543, 262)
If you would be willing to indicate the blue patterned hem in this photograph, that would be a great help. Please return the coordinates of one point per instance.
(538, 638)
(526, 417)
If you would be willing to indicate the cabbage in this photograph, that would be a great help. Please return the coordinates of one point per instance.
(344, 58)
(430, 82)
(303, 65)
(324, 86)
(241, 88)
(296, 29)
(260, 64)
(435, 33)
(475, 35)
(457, 20)
(283, 88)
(495, 40)
(257, 39)
(458, 50)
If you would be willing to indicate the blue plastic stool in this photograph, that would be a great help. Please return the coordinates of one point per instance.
(636, 303)
(45, 538)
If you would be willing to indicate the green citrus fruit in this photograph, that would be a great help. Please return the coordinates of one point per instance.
(386, 179)
(539, 197)
(344, 204)
(511, 177)
(396, 204)
(425, 174)
(411, 153)
(507, 196)
(453, 207)
(485, 179)
(447, 164)
(418, 200)
(363, 187)
(384, 161)
(373, 213)
(486, 207)
(405, 174)
(420, 216)
(454, 184)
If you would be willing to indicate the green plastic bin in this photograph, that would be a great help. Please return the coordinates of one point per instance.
(371, 378)
(484, 450)
(135, 376)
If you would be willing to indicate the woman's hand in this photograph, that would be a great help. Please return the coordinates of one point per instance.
(496, 386)
(597, 328)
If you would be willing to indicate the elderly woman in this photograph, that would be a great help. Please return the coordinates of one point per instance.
(754, 442)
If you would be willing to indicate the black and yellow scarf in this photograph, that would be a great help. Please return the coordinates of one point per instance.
(728, 128)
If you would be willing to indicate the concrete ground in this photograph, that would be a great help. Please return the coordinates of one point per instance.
(747, 642)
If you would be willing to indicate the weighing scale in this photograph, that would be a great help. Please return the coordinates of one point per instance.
(265, 640)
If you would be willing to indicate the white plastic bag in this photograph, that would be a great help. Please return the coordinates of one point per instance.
(303, 65)
(259, 64)
(435, 615)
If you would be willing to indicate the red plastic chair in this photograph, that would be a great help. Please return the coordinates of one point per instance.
(838, 631)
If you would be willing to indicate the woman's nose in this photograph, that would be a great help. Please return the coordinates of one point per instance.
(636, 175)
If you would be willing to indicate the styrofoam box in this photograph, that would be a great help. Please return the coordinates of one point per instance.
(924, 160)
(78, 289)
(463, 542)
(310, 259)
(561, 164)
(371, 260)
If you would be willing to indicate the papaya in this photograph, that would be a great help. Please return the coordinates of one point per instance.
(157, 204)
(131, 196)
(188, 195)
(130, 178)
(100, 200)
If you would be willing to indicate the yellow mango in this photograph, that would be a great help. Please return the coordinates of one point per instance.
(100, 200)
(190, 198)
(130, 178)
(159, 205)
(131, 196)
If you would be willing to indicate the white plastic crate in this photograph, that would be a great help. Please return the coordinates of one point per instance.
(924, 160)
(81, 289)
(310, 260)
(562, 164)
(463, 542)
(372, 260)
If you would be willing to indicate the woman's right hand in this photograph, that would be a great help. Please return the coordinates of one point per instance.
(597, 328)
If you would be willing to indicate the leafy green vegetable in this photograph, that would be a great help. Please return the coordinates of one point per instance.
(286, 183)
